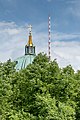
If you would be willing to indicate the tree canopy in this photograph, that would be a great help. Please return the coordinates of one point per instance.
(41, 91)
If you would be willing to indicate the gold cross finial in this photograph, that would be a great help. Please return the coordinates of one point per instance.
(30, 29)
(30, 35)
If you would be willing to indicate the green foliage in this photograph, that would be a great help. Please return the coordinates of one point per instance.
(42, 91)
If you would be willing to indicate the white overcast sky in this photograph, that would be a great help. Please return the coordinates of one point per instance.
(15, 15)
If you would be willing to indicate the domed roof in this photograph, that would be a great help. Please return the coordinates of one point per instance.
(29, 56)
(23, 61)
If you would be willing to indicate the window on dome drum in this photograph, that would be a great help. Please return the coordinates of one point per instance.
(16, 62)
(34, 50)
(27, 50)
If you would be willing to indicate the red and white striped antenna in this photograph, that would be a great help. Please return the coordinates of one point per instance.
(49, 37)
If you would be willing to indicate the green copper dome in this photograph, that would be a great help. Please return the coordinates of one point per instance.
(23, 61)
(29, 56)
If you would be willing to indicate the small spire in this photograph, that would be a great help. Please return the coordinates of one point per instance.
(30, 36)
(30, 48)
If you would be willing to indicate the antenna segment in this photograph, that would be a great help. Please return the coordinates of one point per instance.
(49, 38)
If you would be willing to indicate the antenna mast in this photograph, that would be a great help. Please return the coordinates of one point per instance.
(49, 38)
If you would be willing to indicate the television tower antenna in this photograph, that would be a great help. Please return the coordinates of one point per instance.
(49, 37)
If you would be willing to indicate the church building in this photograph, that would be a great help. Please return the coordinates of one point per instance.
(29, 56)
